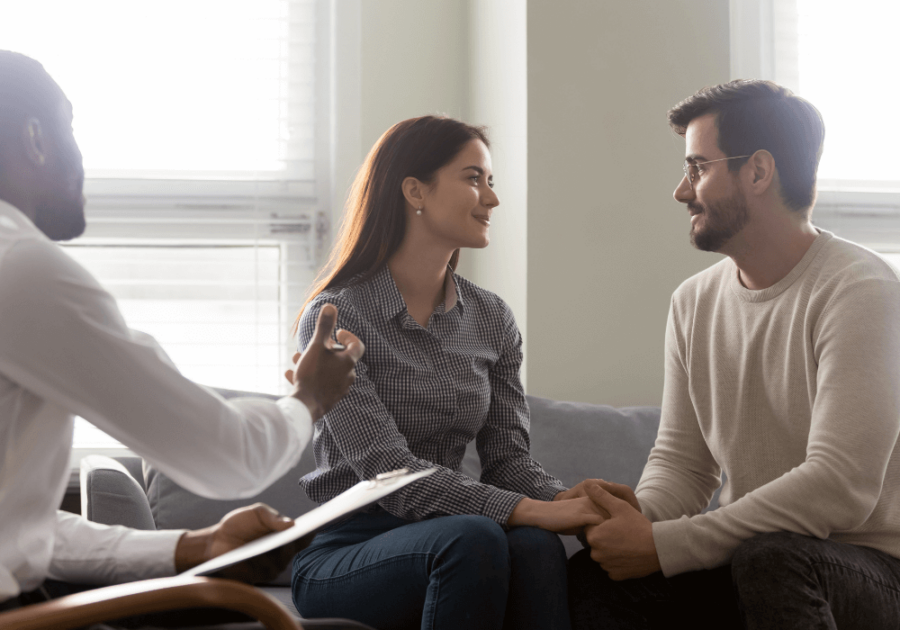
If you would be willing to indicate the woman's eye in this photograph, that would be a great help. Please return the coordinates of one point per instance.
(474, 178)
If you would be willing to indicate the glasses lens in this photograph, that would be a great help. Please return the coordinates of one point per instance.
(690, 171)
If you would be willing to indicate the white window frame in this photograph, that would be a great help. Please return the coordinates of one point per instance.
(292, 214)
(869, 217)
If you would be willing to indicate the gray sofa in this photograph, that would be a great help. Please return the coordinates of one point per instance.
(573, 441)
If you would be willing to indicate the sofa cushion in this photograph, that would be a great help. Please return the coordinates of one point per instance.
(111, 495)
(577, 441)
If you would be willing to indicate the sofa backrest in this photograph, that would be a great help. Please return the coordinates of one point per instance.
(573, 441)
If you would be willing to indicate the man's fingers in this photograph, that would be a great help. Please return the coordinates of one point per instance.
(354, 347)
(270, 520)
(325, 325)
(604, 499)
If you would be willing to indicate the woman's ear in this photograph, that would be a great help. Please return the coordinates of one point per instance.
(414, 192)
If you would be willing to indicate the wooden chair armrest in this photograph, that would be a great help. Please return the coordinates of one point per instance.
(148, 596)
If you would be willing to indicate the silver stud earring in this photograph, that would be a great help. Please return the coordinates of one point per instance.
(419, 212)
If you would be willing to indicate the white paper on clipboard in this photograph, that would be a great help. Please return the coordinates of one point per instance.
(359, 496)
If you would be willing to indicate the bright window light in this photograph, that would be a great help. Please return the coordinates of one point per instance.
(215, 310)
(847, 68)
(173, 88)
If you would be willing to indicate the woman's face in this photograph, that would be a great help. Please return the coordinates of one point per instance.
(459, 202)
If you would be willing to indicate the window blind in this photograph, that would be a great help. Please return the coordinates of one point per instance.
(222, 312)
(174, 90)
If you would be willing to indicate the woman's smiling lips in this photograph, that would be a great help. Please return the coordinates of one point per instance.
(484, 219)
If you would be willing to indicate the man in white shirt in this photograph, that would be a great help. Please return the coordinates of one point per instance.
(782, 371)
(65, 350)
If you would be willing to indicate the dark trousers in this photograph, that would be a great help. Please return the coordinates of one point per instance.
(779, 580)
(452, 572)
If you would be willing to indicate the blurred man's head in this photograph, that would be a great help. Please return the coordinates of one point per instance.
(41, 170)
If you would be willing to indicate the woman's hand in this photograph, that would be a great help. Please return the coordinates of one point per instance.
(566, 516)
(618, 490)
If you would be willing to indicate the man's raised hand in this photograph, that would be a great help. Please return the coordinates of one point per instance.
(322, 376)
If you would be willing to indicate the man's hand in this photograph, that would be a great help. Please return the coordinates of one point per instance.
(623, 545)
(237, 528)
(321, 376)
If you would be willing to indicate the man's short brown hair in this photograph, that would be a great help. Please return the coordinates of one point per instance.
(754, 115)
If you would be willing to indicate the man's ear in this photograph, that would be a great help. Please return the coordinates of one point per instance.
(414, 192)
(33, 141)
(762, 171)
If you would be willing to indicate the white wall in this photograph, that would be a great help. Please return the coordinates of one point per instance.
(588, 244)
(498, 98)
(607, 244)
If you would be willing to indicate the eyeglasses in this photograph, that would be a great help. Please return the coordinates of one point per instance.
(691, 171)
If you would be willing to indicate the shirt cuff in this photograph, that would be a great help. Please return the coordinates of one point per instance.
(297, 414)
(144, 555)
(500, 505)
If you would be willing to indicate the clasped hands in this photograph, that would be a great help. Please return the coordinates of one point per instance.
(622, 543)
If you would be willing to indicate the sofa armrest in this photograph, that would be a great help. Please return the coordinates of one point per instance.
(111, 496)
(150, 596)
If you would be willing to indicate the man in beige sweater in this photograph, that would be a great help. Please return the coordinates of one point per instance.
(782, 371)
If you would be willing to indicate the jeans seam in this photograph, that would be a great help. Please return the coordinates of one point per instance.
(355, 572)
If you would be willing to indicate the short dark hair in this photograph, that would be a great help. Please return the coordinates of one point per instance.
(755, 114)
(25, 90)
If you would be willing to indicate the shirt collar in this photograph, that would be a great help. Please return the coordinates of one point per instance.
(383, 291)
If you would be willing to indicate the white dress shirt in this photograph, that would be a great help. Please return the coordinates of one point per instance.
(65, 350)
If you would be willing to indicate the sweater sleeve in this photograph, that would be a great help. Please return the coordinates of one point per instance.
(681, 474)
(854, 427)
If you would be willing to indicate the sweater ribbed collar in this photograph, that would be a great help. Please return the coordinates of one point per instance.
(763, 295)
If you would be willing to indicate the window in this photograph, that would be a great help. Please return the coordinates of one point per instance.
(841, 61)
(204, 126)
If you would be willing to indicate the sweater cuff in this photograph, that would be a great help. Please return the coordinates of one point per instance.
(672, 548)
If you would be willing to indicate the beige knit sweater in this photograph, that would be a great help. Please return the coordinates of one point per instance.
(793, 391)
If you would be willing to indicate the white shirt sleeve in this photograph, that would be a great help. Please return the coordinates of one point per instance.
(90, 553)
(65, 340)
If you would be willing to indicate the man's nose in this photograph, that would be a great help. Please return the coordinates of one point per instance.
(683, 192)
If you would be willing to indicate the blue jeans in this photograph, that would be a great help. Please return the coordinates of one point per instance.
(778, 580)
(445, 573)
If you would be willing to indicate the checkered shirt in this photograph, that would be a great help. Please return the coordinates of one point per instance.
(420, 396)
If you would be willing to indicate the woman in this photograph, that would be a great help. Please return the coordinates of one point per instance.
(441, 368)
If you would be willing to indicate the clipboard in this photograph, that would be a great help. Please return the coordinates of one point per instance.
(359, 496)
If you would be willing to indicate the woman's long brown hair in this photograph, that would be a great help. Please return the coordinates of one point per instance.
(375, 215)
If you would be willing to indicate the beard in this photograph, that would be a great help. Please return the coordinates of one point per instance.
(721, 221)
(60, 222)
